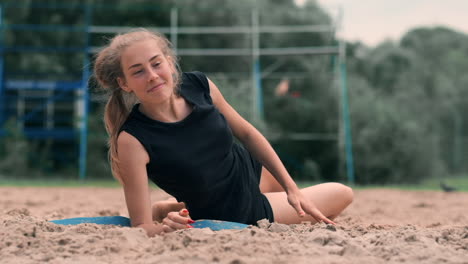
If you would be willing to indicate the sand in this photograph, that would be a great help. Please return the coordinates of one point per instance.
(381, 226)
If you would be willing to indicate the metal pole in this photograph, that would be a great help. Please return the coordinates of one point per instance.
(221, 29)
(2, 107)
(259, 90)
(340, 134)
(346, 116)
(257, 100)
(85, 98)
(174, 29)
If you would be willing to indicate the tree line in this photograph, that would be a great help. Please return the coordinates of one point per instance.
(407, 98)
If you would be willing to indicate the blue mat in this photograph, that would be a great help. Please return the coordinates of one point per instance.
(214, 225)
(101, 220)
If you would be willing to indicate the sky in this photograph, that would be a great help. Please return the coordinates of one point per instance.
(373, 21)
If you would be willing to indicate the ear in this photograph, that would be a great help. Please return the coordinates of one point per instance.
(123, 84)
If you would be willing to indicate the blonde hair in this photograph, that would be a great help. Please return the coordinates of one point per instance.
(108, 68)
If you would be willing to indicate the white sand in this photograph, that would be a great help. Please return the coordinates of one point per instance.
(382, 226)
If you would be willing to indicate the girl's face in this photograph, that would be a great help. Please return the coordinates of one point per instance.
(147, 72)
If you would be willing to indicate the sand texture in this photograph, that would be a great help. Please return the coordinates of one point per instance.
(381, 226)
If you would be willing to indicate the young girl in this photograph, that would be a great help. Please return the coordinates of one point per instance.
(180, 136)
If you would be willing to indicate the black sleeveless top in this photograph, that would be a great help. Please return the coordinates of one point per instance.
(197, 161)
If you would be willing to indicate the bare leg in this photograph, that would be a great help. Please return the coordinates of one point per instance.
(162, 208)
(330, 198)
(268, 183)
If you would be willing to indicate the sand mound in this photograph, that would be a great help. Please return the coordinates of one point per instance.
(362, 236)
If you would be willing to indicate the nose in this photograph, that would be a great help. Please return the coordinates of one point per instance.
(153, 75)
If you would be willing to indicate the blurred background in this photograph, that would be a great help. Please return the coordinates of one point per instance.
(334, 107)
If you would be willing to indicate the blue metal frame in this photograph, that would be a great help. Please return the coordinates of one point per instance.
(63, 86)
(346, 123)
(84, 121)
(46, 28)
(258, 87)
(1, 69)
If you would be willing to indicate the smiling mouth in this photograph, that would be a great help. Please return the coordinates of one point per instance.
(156, 87)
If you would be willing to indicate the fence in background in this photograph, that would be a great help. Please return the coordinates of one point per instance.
(57, 109)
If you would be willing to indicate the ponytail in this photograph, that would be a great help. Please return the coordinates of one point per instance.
(115, 113)
(107, 69)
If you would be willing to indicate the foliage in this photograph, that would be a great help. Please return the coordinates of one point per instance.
(13, 149)
(390, 143)
(97, 165)
(22, 158)
(405, 104)
(407, 99)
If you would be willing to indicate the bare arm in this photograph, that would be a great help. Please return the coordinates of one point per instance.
(132, 170)
(261, 149)
(253, 140)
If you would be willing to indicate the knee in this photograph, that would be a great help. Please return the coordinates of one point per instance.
(348, 194)
(345, 192)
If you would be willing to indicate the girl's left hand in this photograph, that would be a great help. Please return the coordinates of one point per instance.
(177, 220)
(304, 206)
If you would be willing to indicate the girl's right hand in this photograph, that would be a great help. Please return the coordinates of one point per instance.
(304, 206)
(177, 220)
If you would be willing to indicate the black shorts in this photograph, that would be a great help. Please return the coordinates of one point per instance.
(264, 210)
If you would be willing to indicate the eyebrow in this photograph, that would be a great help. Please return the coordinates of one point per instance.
(139, 64)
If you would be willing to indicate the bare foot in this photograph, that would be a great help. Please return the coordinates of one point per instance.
(162, 208)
